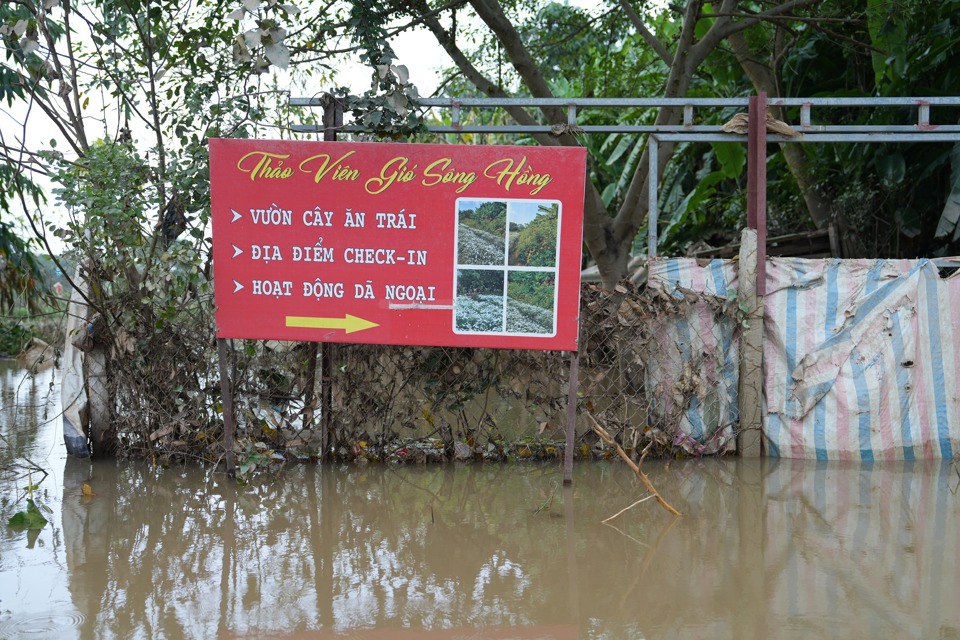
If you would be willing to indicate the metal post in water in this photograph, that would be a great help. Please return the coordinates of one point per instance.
(226, 396)
(571, 417)
(332, 122)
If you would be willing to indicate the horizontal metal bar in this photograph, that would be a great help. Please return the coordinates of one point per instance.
(587, 128)
(700, 133)
(680, 129)
(316, 101)
(556, 102)
(663, 130)
(939, 101)
(871, 128)
(584, 102)
(704, 133)
(924, 136)
(522, 128)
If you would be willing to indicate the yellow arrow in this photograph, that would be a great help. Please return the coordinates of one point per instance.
(348, 323)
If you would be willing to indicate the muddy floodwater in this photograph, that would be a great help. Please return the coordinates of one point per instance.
(765, 549)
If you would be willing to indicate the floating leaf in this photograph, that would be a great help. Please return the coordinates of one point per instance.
(87, 490)
(29, 519)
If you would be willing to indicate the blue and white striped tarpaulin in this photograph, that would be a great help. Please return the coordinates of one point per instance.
(861, 359)
(694, 360)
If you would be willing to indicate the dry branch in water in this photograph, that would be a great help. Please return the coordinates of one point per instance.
(600, 431)
(643, 499)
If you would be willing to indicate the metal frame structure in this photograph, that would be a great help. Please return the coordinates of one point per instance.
(923, 130)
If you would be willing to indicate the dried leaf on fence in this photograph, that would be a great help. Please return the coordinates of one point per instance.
(159, 433)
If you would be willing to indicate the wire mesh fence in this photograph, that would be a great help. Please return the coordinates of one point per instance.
(658, 367)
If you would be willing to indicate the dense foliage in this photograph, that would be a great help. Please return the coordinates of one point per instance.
(889, 200)
(535, 243)
(489, 216)
(475, 246)
(532, 287)
(130, 93)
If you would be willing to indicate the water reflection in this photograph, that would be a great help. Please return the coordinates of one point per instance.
(765, 549)
(28, 403)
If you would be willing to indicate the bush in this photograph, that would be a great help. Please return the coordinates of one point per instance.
(13, 336)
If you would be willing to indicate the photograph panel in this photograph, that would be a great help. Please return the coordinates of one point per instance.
(534, 233)
(481, 232)
(479, 303)
(530, 302)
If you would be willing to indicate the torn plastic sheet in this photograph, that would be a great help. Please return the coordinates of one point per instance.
(694, 366)
(860, 359)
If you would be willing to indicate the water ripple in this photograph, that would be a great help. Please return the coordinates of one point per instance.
(46, 624)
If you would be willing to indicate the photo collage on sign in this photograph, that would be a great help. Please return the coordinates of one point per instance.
(506, 266)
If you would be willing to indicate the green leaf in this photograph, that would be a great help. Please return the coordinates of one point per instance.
(892, 168)
(29, 519)
(888, 34)
(950, 217)
(732, 158)
(608, 192)
(624, 144)
(704, 24)
(908, 220)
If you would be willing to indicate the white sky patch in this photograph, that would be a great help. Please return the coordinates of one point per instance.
(522, 212)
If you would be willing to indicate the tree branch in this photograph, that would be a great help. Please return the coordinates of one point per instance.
(597, 227)
(480, 81)
(600, 431)
(750, 20)
(652, 40)
(764, 78)
(492, 14)
(634, 208)
(711, 40)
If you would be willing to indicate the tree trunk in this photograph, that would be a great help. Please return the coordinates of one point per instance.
(764, 79)
(102, 435)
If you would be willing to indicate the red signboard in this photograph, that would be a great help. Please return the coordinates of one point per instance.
(380, 243)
